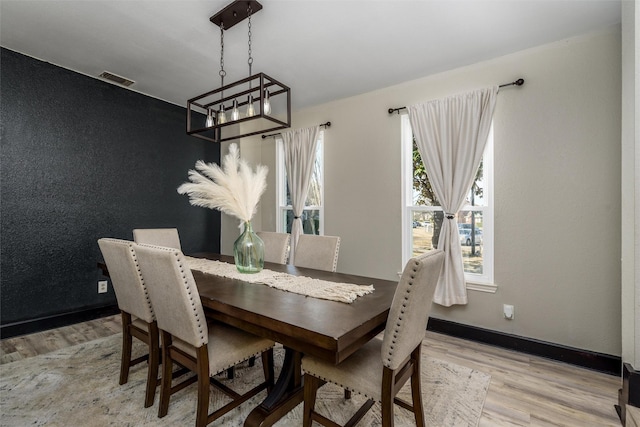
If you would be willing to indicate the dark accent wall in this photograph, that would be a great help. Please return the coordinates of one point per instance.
(83, 159)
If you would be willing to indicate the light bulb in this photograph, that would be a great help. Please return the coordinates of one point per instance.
(235, 114)
(210, 119)
(267, 103)
(250, 110)
(222, 117)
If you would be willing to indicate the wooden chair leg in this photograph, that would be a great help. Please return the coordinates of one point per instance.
(167, 367)
(347, 394)
(311, 385)
(231, 373)
(202, 411)
(125, 361)
(152, 368)
(267, 368)
(416, 392)
(387, 397)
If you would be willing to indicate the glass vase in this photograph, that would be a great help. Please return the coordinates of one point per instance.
(248, 251)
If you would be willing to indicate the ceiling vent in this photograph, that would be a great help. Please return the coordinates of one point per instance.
(116, 79)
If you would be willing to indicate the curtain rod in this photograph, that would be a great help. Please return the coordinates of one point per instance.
(326, 125)
(518, 82)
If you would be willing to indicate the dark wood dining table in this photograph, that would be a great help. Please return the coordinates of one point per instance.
(329, 330)
(303, 325)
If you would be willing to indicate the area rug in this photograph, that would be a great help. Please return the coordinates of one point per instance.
(78, 386)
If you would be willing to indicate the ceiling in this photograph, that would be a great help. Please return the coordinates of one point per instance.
(323, 49)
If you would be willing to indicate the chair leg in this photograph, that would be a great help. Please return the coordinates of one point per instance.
(125, 362)
(416, 392)
(387, 397)
(202, 411)
(267, 368)
(152, 369)
(311, 385)
(167, 367)
(231, 373)
(347, 394)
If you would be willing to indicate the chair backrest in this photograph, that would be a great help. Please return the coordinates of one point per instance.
(167, 237)
(173, 292)
(407, 321)
(128, 283)
(276, 246)
(318, 252)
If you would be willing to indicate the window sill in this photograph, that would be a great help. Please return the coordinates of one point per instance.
(490, 288)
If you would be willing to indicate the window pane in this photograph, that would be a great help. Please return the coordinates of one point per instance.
(477, 191)
(426, 231)
(426, 225)
(310, 221)
(423, 194)
(314, 196)
(470, 232)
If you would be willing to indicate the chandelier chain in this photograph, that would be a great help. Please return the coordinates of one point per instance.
(250, 60)
(222, 72)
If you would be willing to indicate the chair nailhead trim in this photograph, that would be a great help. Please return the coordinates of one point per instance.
(339, 384)
(396, 331)
(144, 286)
(241, 360)
(189, 292)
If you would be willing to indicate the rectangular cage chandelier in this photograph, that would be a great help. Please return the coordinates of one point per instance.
(250, 106)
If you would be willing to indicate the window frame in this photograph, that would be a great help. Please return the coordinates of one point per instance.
(281, 185)
(481, 282)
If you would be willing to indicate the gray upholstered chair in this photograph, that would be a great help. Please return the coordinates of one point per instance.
(382, 366)
(206, 349)
(138, 319)
(317, 252)
(276, 246)
(167, 237)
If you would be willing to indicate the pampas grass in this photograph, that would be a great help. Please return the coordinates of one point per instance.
(233, 189)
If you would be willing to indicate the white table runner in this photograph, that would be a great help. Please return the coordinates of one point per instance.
(316, 288)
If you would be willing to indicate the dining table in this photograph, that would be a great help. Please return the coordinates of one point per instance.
(304, 325)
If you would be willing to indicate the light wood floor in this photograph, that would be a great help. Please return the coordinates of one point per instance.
(525, 390)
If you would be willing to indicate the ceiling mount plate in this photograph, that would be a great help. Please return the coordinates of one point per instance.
(235, 12)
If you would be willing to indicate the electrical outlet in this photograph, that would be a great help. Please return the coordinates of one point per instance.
(102, 286)
(508, 312)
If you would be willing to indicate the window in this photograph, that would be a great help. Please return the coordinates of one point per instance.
(313, 214)
(422, 216)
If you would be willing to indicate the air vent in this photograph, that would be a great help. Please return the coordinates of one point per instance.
(116, 79)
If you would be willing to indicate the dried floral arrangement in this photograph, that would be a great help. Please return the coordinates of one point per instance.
(234, 189)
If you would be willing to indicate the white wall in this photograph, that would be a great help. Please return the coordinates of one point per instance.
(557, 191)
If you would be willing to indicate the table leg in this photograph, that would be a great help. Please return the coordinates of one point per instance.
(286, 394)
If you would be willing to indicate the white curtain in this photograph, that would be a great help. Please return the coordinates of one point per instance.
(299, 157)
(451, 134)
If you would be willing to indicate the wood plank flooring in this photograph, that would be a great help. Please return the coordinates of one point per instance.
(525, 390)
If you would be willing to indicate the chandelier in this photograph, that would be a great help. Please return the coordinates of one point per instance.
(250, 106)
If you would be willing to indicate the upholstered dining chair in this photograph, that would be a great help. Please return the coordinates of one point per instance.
(138, 319)
(168, 237)
(206, 349)
(276, 246)
(318, 252)
(382, 366)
